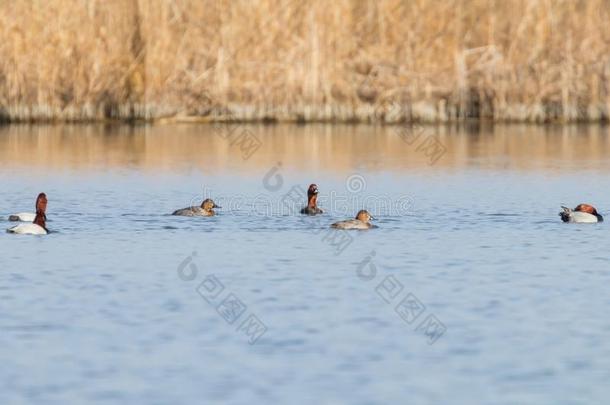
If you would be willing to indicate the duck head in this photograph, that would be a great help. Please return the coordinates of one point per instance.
(312, 195)
(41, 203)
(364, 216)
(41, 209)
(589, 209)
(209, 205)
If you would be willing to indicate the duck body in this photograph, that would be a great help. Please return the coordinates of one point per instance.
(38, 225)
(362, 221)
(311, 210)
(582, 214)
(194, 212)
(205, 210)
(28, 229)
(352, 224)
(312, 202)
(22, 217)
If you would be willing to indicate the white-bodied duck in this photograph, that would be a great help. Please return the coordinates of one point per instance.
(38, 224)
(583, 214)
(22, 217)
(25, 216)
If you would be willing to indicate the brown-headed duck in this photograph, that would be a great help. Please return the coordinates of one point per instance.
(38, 225)
(26, 216)
(362, 221)
(583, 213)
(205, 210)
(312, 201)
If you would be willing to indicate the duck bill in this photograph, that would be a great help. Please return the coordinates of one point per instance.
(217, 206)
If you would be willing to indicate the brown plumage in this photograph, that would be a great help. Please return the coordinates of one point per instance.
(589, 209)
(205, 210)
(41, 210)
(362, 221)
(312, 201)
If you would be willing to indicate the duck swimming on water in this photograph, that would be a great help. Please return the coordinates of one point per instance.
(205, 210)
(583, 214)
(26, 216)
(362, 221)
(38, 225)
(312, 201)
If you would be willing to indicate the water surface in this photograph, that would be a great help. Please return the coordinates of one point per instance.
(108, 309)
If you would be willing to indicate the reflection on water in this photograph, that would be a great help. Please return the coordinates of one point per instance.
(338, 148)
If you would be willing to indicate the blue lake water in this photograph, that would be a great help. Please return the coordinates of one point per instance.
(469, 291)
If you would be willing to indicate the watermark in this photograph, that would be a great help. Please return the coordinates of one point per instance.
(429, 145)
(355, 183)
(227, 126)
(413, 134)
(273, 180)
(292, 202)
(283, 201)
(227, 304)
(409, 308)
(337, 239)
(295, 199)
(241, 138)
(343, 203)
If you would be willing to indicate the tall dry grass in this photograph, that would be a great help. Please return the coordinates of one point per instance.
(311, 60)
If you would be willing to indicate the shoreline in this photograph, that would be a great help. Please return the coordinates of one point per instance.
(387, 113)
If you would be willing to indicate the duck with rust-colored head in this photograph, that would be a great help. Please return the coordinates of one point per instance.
(38, 225)
(362, 221)
(205, 210)
(583, 214)
(27, 216)
(312, 201)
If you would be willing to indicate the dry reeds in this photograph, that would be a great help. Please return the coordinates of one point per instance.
(305, 60)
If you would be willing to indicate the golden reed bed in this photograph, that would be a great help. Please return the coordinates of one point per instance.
(305, 60)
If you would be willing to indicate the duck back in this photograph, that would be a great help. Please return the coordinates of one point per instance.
(351, 224)
(22, 217)
(568, 215)
(193, 212)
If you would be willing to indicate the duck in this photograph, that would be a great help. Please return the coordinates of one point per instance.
(312, 199)
(38, 225)
(583, 213)
(362, 221)
(205, 210)
(26, 216)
